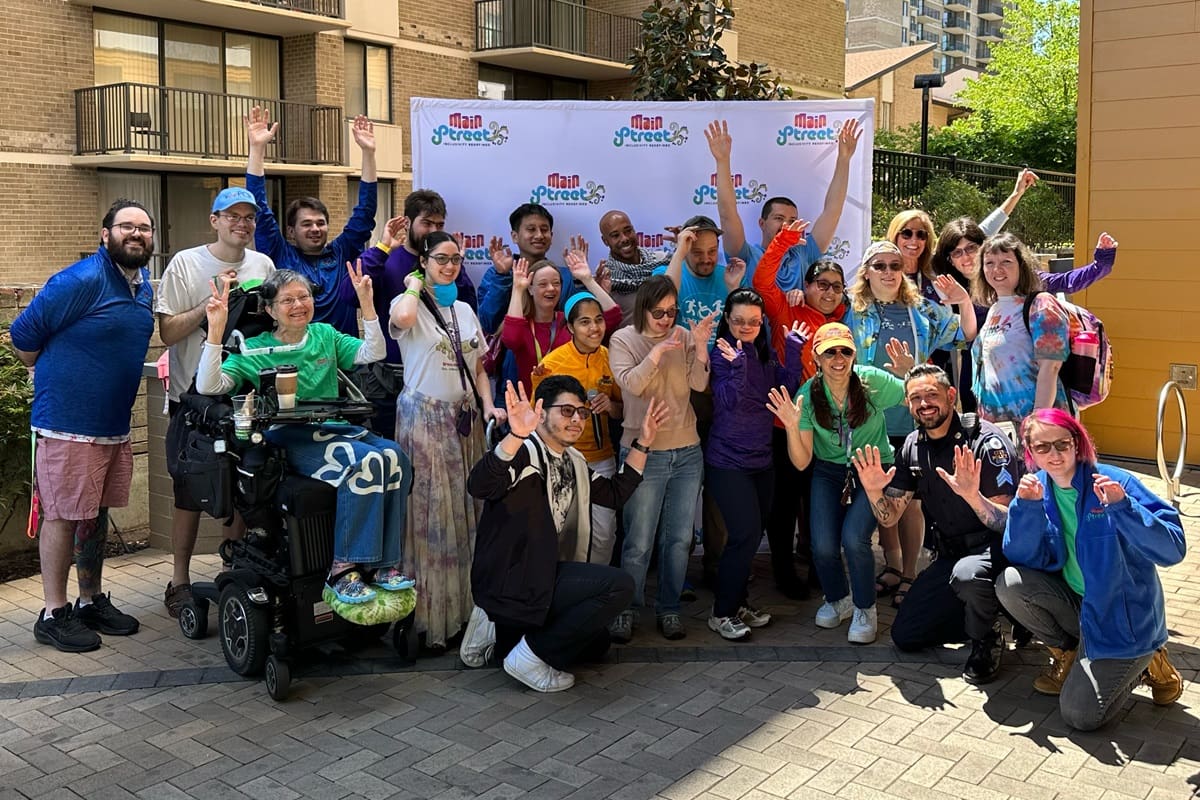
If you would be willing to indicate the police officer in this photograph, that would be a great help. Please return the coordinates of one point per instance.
(966, 504)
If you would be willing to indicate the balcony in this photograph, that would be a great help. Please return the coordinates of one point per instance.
(953, 44)
(990, 9)
(931, 12)
(273, 17)
(989, 31)
(957, 5)
(983, 53)
(555, 37)
(955, 22)
(142, 126)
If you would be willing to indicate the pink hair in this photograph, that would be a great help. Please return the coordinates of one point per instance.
(1085, 448)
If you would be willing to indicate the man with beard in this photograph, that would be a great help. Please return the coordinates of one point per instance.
(86, 332)
(628, 263)
(966, 471)
(306, 248)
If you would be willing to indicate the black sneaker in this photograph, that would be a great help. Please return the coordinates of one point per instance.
(65, 631)
(983, 665)
(101, 615)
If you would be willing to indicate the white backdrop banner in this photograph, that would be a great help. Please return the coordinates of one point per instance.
(581, 159)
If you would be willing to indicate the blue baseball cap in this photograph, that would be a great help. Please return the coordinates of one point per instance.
(228, 198)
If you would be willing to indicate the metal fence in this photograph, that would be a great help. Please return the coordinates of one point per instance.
(324, 8)
(901, 177)
(160, 120)
(555, 24)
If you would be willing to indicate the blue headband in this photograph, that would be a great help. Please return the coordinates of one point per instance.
(576, 298)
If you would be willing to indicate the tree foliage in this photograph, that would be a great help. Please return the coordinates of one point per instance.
(680, 58)
(16, 396)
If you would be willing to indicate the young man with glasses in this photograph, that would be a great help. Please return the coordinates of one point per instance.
(183, 293)
(86, 333)
(530, 572)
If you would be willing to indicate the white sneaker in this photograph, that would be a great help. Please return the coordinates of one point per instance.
(730, 628)
(864, 626)
(525, 666)
(753, 618)
(479, 642)
(830, 615)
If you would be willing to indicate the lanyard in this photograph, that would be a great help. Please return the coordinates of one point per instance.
(537, 348)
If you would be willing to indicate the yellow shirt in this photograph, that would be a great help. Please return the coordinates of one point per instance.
(592, 370)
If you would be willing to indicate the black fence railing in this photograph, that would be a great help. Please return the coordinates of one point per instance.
(324, 8)
(160, 120)
(556, 25)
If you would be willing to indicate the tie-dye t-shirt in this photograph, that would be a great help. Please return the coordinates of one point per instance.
(1006, 356)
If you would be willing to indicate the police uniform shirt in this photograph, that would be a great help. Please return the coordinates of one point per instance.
(918, 459)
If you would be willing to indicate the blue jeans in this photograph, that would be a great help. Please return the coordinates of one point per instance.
(372, 476)
(836, 529)
(664, 504)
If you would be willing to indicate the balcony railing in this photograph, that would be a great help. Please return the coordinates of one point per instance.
(988, 30)
(954, 22)
(990, 9)
(159, 120)
(556, 25)
(324, 8)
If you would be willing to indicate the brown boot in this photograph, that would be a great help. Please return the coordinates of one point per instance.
(1051, 681)
(1163, 679)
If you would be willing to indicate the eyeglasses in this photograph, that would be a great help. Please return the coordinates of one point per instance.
(443, 259)
(826, 286)
(844, 352)
(659, 313)
(969, 251)
(288, 302)
(884, 266)
(238, 219)
(1061, 445)
(568, 410)
(127, 228)
(908, 233)
(738, 322)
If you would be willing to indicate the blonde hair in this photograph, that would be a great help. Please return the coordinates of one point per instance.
(925, 260)
(527, 298)
(860, 293)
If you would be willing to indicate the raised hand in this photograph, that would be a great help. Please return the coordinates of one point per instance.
(848, 138)
(673, 341)
(577, 243)
(1106, 242)
(720, 143)
(870, 469)
(702, 330)
(259, 128)
(395, 232)
(1107, 490)
(901, 358)
(460, 239)
(951, 290)
(797, 226)
(657, 413)
(795, 297)
(780, 403)
(735, 273)
(217, 311)
(801, 330)
(672, 233)
(578, 265)
(414, 281)
(501, 255)
(684, 239)
(964, 481)
(362, 286)
(523, 418)
(728, 351)
(604, 276)
(1026, 180)
(363, 132)
(1030, 488)
(520, 276)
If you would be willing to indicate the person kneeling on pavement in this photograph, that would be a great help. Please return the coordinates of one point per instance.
(965, 470)
(529, 573)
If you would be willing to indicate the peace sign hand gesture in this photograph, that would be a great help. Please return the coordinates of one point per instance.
(362, 289)
(217, 312)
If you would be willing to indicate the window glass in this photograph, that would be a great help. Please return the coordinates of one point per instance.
(124, 49)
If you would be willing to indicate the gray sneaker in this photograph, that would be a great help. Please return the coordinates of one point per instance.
(671, 626)
(620, 630)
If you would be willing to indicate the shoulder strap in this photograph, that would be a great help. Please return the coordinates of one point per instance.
(455, 345)
(1027, 308)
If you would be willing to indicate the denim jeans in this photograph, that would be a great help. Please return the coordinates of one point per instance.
(372, 476)
(663, 505)
(744, 498)
(836, 529)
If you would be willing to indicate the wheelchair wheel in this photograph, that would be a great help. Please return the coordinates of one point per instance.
(193, 618)
(244, 630)
(278, 677)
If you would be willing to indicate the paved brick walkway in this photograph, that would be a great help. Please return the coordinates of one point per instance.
(797, 713)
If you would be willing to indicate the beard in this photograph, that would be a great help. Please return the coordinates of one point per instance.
(126, 259)
(934, 421)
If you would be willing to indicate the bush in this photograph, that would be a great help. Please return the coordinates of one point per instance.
(16, 397)
(945, 199)
(882, 211)
(1043, 220)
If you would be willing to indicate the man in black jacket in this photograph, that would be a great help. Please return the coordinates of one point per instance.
(530, 573)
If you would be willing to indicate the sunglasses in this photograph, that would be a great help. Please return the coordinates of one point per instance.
(568, 410)
(659, 313)
(969, 251)
(1061, 445)
(738, 322)
(908, 233)
(844, 352)
(826, 286)
(884, 266)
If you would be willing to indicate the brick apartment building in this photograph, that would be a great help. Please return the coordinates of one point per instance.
(961, 31)
(144, 99)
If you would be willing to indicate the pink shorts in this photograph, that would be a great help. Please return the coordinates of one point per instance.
(75, 479)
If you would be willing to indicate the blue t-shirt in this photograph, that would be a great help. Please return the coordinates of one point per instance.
(699, 297)
(795, 263)
(896, 322)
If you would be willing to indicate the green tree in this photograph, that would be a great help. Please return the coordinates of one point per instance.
(679, 57)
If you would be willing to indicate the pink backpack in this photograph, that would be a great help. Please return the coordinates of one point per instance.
(1087, 372)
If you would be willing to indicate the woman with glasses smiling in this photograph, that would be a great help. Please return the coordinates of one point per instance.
(887, 308)
(1084, 540)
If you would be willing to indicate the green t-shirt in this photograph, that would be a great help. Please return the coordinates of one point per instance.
(884, 390)
(1066, 499)
(324, 352)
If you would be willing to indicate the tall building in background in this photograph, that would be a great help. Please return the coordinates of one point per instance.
(962, 31)
(145, 99)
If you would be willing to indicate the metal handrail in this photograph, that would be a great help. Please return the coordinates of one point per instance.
(1172, 480)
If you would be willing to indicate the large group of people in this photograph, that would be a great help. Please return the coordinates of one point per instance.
(733, 387)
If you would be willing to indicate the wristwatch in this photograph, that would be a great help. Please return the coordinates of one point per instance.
(641, 448)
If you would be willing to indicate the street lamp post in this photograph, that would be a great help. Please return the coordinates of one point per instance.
(925, 82)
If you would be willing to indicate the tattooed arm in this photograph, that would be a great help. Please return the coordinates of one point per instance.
(887, 502)
(890, 505)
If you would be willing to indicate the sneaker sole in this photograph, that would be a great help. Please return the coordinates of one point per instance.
(717, 630)
(761, 623)
(108, 630)
(830, 625)
(64, 648)
(860, 640)
(521, 679)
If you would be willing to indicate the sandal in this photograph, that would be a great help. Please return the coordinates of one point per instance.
(348, 586)
(176, 597)
(887, 589)
(392, 580)
(898, 598)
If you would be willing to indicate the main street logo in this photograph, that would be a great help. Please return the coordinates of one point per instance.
(643, 131)
(809, 129)
(567, 190)
(470, 130)
(744, 192)
(475, 250)
(651, 241)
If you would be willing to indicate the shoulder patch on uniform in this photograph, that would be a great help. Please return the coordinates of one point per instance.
(995, 452)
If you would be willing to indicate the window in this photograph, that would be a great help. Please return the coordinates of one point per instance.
(496, 83)
(368, 81)
(885, 116)
(386, 208)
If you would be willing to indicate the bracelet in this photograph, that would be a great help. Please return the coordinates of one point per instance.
(385, 248)
(641, 448)
(413, 292)
(518, 436)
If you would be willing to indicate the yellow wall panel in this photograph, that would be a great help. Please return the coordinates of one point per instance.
(1157, 112)
(1148, 142)
(1129, 23)
(1133, 172)
(1132, 84)
(1160, 51)
(1142, 204)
